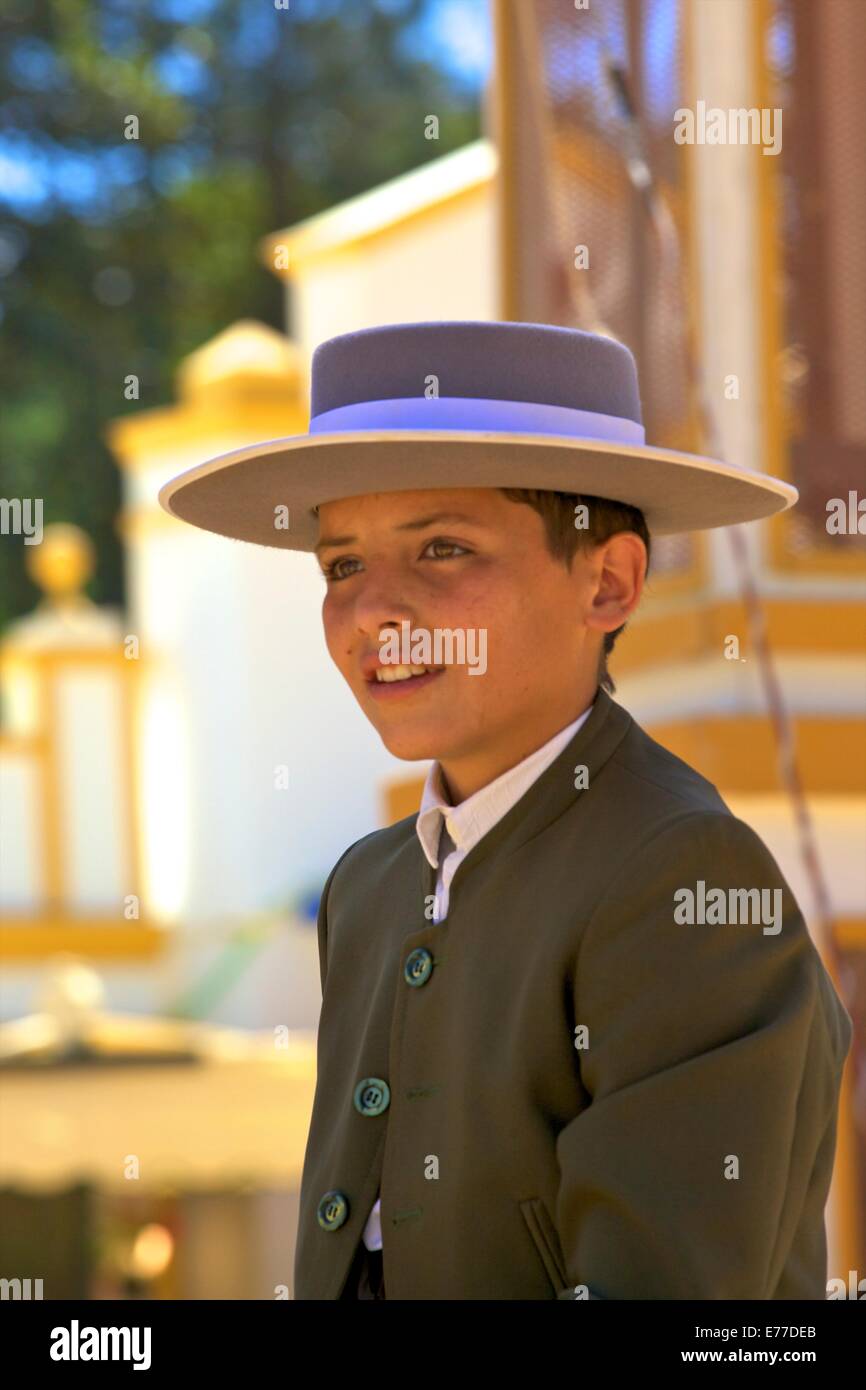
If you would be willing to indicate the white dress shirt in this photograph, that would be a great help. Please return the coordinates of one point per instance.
(440, 824)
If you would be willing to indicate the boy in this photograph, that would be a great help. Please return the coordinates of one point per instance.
(575, 1039)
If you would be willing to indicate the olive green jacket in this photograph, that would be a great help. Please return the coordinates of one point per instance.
(569, 1090)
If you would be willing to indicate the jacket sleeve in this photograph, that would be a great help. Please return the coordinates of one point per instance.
(713, 1064)
(322, 918)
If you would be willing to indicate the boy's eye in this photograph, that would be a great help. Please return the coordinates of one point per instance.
(449, 545)
(331, 571)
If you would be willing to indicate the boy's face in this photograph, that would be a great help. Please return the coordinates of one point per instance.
(543, 624)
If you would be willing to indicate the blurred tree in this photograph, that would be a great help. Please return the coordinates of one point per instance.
(119, 255)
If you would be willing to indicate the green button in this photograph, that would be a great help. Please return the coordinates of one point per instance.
(418, 967)
(332, 1211)
(372, 1095)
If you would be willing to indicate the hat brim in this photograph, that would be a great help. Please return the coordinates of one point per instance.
(244, 495)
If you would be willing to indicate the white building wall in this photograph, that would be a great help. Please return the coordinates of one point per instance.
(443, 265)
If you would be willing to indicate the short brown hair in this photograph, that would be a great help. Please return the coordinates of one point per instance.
(564, 539)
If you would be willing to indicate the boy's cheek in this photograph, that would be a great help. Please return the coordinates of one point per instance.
(339, 648)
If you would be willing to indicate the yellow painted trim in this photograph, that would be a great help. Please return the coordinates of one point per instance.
(850, 933)
(42, 749)
(847, 1178)
(134, 523)
(34, 938)
(813, 559)
(684, 206)
(738, 753)
(677, 583)
(502, 78)
(770, 299)
(47, 659)
(829, 626)
(38, 750)
(138, 439)
(400, 798)
(22, 745)
(816, 559)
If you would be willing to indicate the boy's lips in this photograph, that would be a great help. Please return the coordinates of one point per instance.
(371, 663)
(399, 689)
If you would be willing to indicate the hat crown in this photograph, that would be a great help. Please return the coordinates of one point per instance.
(541, 363)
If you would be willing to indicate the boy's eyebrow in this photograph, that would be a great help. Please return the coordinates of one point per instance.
(417, 525)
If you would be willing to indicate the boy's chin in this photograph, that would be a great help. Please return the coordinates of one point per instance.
(411, 747)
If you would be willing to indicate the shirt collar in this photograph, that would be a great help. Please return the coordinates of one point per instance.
(471, 820)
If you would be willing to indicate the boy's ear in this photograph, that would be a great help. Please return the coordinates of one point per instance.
(621, 564)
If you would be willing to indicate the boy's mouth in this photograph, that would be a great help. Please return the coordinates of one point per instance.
(393, 682)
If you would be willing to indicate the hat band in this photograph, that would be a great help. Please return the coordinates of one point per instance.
(469, 413)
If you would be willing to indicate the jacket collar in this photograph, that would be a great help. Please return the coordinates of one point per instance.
(475, 817)
(548, 797)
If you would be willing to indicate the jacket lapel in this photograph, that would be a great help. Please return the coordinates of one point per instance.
(548, 797)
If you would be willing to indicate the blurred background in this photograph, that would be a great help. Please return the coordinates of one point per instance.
(193, 195)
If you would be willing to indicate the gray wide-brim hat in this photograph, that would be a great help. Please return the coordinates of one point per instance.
(459, 404)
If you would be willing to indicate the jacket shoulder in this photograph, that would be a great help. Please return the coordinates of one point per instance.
(666, 783)
(376, 852)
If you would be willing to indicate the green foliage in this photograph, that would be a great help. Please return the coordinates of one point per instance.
(121, 256)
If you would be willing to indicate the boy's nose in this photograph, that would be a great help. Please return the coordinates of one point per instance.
(375, 614)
